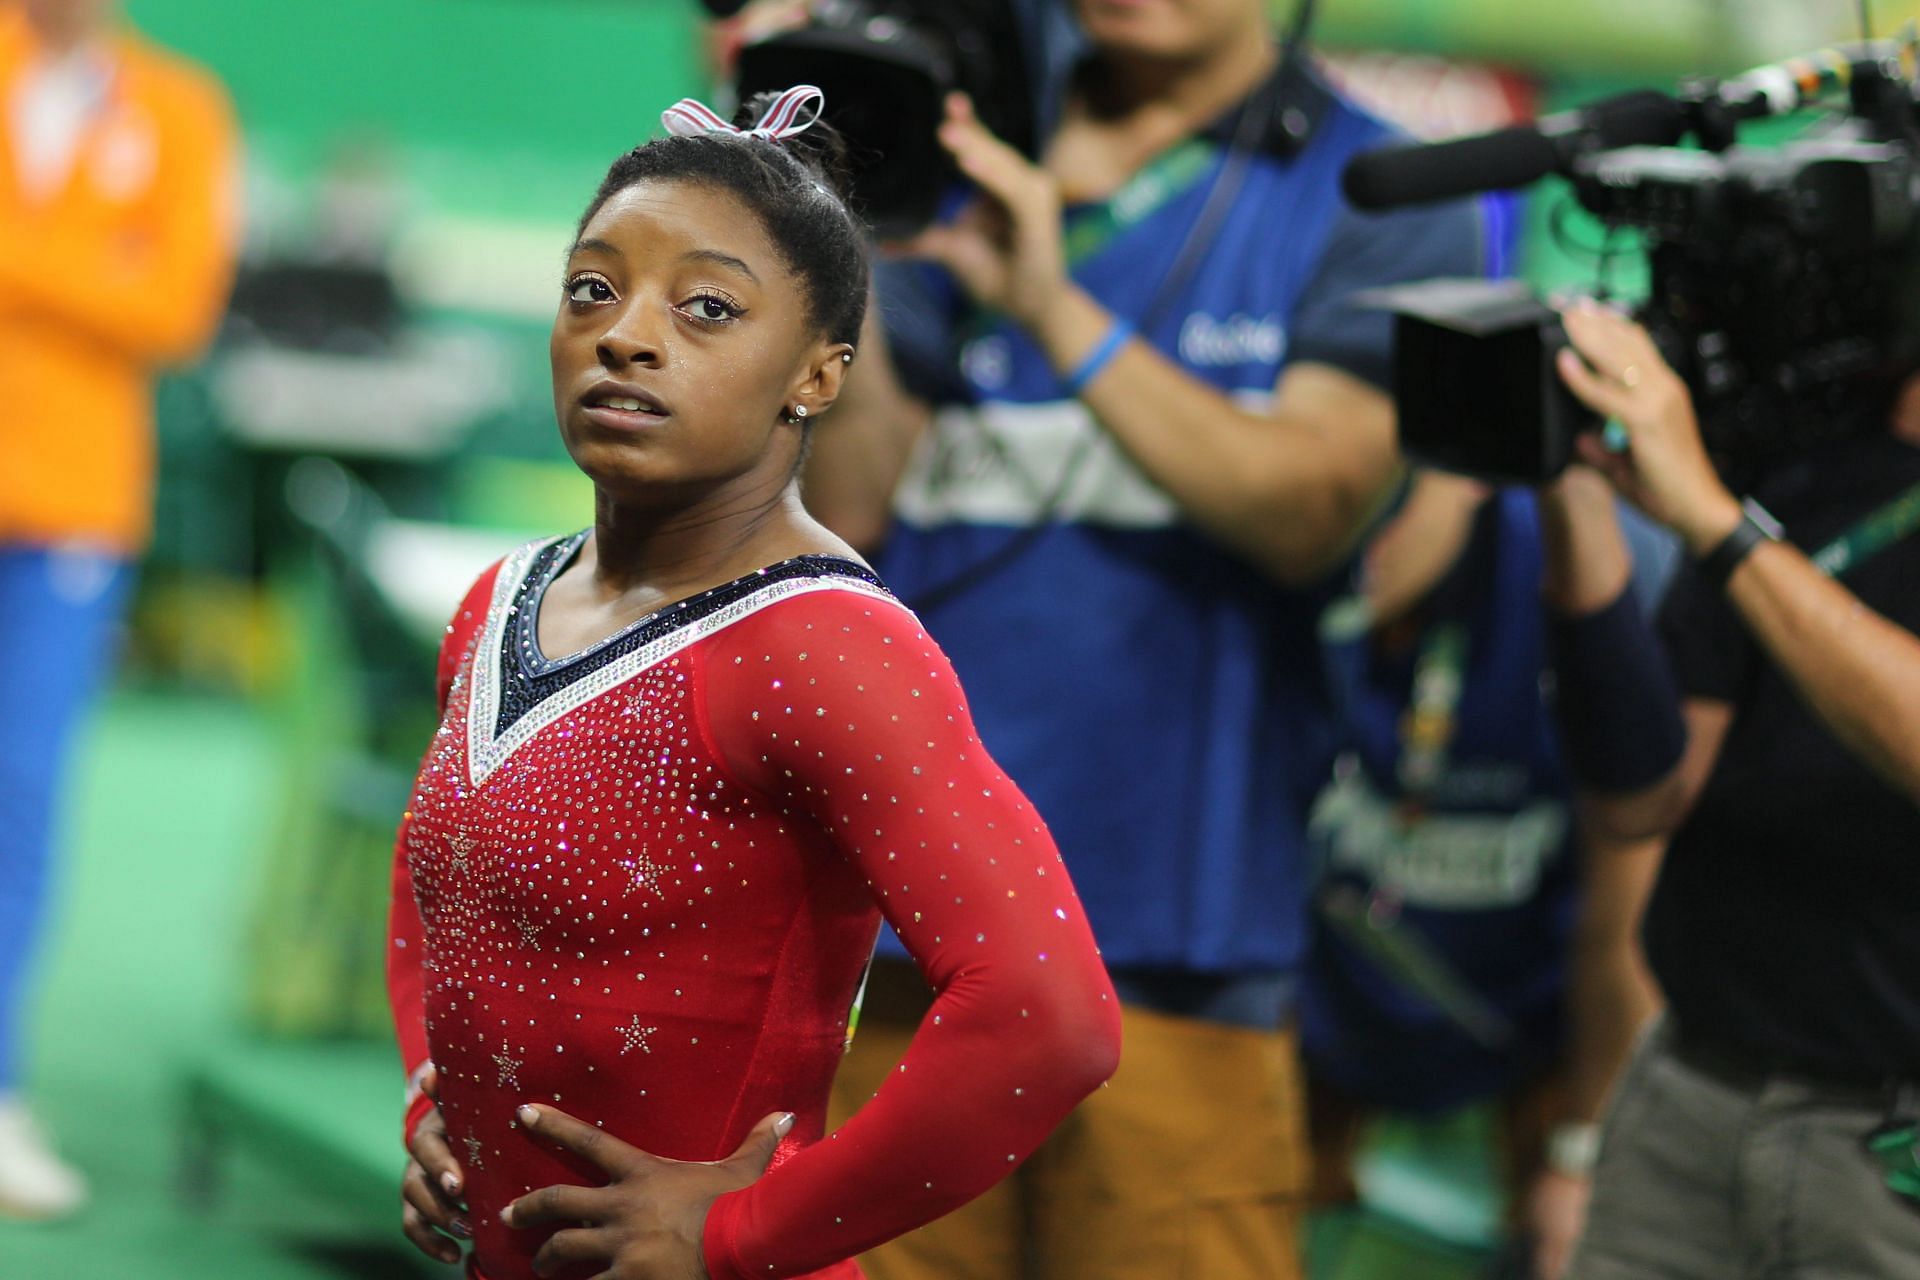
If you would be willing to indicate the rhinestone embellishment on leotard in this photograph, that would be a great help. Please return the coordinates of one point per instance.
(646, 880)
(634, 1036)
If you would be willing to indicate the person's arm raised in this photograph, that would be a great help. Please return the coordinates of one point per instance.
(1289, 488)
(1857, 671)
(1641, 754)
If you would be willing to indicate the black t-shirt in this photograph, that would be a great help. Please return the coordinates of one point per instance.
(1785, 926)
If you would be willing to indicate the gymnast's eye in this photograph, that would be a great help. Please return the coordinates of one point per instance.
(589, 288)
(712, 308)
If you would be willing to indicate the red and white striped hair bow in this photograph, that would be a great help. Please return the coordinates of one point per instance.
(789, 114)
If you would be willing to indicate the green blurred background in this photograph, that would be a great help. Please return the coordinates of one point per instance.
(210, 1036)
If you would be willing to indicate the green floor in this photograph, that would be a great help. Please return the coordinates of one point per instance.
(137, 979)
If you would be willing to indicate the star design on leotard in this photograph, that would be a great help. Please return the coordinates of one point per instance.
(646, 873)
(462, 845)
(635, 1036)
(509, 1068)
(473, 1152)
(636, 703)
(529, 932)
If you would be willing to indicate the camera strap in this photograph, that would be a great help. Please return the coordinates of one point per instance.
(1871, 535)
(1371, 923)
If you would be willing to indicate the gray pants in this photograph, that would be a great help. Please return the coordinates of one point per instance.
(1702, 1180)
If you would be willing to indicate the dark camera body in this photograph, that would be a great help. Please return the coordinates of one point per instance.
(1782, 284)
(886, 67)
(1784, 292)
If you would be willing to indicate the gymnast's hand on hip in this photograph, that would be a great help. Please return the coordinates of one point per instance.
(430, 1188)
(647, 1222)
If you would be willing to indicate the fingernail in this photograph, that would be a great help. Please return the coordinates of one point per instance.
(462, 1229)
(528, 1116)
(783, 1126)
(506, 1216)
(451, 1182)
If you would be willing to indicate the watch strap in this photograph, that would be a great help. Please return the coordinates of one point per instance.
(1756, 526)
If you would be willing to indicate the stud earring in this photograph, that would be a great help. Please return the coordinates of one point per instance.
(799, 411)
(846, 357)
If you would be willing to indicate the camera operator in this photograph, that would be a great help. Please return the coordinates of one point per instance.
(1131, 397)
(1784, 927)
(1473, 944)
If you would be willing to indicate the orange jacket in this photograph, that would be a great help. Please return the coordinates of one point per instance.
(123, 271)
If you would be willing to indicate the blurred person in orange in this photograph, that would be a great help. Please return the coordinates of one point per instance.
(117, 235)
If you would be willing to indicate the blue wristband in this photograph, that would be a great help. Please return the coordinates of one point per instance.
(1100, 357)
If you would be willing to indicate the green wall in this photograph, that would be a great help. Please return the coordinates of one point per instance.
(1587, 37)
(509, 107)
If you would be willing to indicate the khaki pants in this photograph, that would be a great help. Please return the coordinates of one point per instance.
(1190, 1165)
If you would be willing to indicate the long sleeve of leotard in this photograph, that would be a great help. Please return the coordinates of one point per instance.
(405, 992)
(837, 706)
(405, 989)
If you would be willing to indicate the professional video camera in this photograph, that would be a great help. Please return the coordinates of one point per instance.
(1785, 282)
(886, 67)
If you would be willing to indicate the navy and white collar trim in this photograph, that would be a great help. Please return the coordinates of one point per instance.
(551, 689)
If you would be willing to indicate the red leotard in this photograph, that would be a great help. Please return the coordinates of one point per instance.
(641, 884)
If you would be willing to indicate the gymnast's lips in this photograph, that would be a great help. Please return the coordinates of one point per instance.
(623, 405)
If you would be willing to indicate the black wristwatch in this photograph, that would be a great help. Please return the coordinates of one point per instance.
(1756, 526)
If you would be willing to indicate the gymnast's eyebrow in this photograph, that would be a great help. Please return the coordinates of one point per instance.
(721, 259)
(715, 256)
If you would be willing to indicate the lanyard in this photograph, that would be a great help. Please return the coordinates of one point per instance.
(1093, 227)
(1432, 717)
(1431, 720)
(1871, 535)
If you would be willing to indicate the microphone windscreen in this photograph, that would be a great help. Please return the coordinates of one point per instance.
(1415, 173)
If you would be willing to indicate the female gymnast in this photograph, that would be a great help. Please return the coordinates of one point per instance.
(688, 758)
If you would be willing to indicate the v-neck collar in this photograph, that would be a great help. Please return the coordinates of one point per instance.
(516, 691)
